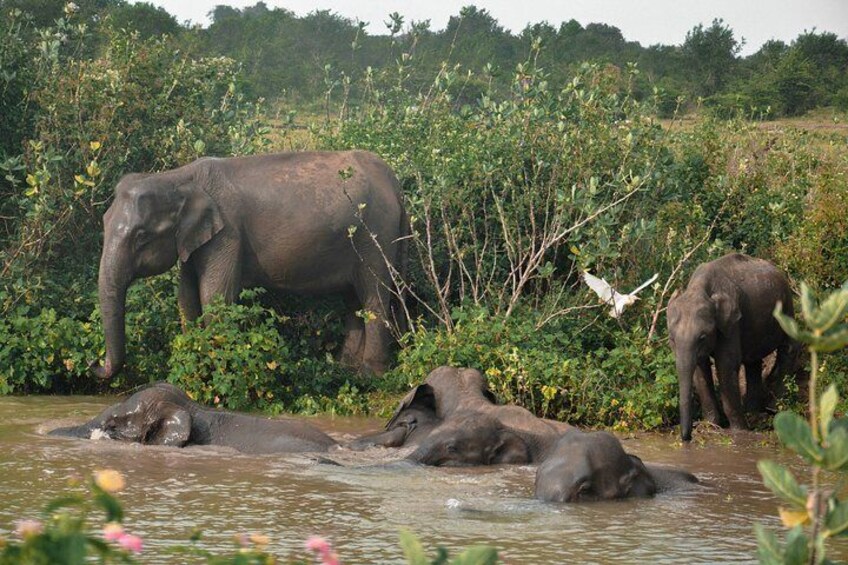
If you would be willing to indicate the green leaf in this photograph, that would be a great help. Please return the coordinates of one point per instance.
(836, 520)
(827, 405)
(768, 548)
(63, 502)
(412, 548)
(836, 452)
(832, 310)
(832, 341)
(782, 482)
(110, 505)
(791, 327)
(797, 552)
(795, 433)
(808, 302)
(477, 555)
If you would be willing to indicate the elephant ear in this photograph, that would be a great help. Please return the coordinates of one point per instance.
(421, 397)
(170, 425)
(511, 448)
(200, 219)
(727, 312)
(637, 480)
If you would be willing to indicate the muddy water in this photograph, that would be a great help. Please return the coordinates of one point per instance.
(360, 506)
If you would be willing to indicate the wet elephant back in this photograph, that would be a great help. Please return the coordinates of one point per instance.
(251, 434)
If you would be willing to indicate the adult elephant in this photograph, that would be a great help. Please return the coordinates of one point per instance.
(163, 414)
(589, 466)
(725, 314)
(445, 405)
(306, 222)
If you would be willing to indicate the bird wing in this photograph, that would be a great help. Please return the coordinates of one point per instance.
(644, 284)
(600, 286)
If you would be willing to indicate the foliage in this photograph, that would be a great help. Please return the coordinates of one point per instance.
(624, 380)
(65, 535)
(822, 442)
(241, 356)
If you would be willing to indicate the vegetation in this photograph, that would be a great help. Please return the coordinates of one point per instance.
(822, 443)
(66, 535)
(519, 170)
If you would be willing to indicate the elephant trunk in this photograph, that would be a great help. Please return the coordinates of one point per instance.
(114, 279)
(685, 371)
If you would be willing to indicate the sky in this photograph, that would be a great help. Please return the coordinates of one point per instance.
(647, 21)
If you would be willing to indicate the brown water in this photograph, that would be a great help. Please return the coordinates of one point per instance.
(361, 506)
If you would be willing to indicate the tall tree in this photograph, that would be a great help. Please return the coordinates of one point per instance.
(711, 56)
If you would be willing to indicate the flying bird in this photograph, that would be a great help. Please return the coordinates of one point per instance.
(611, 296)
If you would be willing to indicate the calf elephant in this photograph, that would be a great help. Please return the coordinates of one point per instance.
(286, 222)
(589, 466)
(726, 313)
(449, 394)
(162, 414)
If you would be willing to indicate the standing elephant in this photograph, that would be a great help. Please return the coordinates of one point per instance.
(589, 466)
(454, 411)
(163, 414)
(726, 313)
(285, 222)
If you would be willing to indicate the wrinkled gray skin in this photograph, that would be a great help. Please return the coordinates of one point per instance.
(590, 466)
(725, 314)
(275, 221)
(452, 419)
(162, 414)
(474, 438)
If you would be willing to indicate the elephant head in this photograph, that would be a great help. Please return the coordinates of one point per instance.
(588, 466)
(157, 415)
(472, 439)
(153, 220)
(695, 322)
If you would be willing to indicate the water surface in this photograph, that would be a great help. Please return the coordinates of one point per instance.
(361, 505)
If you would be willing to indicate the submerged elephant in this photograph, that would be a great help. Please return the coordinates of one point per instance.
(286, 222)
(163, 414)
(475, 438)
(454, 408)
(588, 466)
(726, 313)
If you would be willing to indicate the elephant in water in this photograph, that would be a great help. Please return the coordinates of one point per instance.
(452, 419)
(163, 414)
(306, 222)
(588, 466)
(725, 314)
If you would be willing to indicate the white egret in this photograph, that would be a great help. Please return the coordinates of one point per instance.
(611, 296)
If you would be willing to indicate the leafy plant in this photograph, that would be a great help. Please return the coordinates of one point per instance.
(813, 514)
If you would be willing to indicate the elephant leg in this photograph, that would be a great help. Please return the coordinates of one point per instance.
(351, 353)
(727, 366)
(703, 378)
(786, 364)
(755, 393)
(375, 298)
(188, 296)
(218, 273)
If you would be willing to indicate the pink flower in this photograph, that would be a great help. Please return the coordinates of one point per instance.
(130, 543)
(28, 528)
(318, 544)
(113, 531)
(322, 547)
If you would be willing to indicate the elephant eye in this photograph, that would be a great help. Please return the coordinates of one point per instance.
(702, 337)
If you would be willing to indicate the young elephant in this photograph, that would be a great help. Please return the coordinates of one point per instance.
(589, 466)
(726, 313)
(162, 414)
(445, 395)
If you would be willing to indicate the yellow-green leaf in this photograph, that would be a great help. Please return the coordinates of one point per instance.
(827, 404)
(836, 521)
(782, 483)
(95, 145)
(792, 518)
(836, 452)
(768, 548)
(795, 433)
